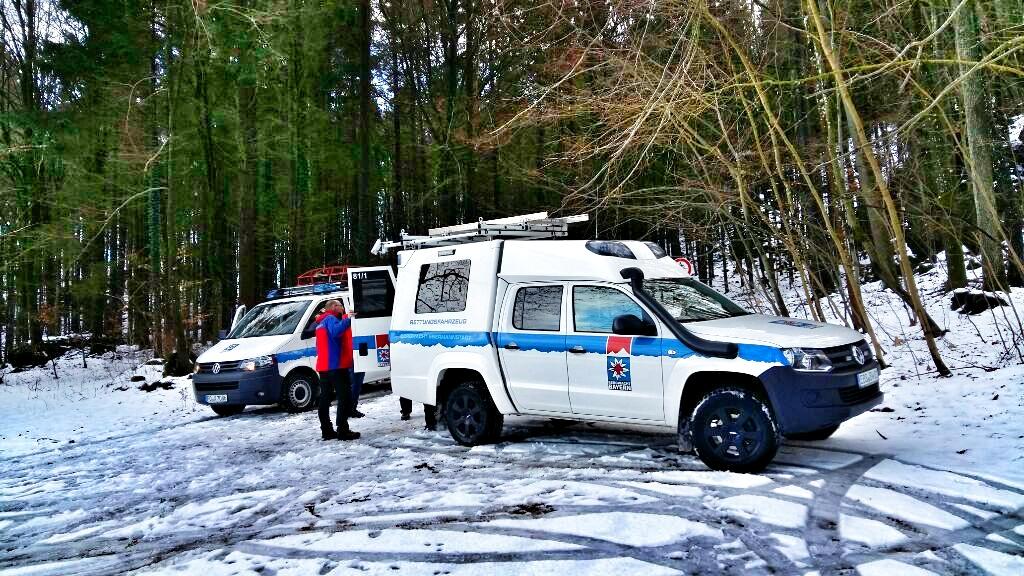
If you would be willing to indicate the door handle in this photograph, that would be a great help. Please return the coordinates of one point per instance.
(577, 350)
(511, 346)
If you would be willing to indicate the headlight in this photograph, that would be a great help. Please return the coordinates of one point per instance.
(254, 363)
(195, 369)
(809, 359)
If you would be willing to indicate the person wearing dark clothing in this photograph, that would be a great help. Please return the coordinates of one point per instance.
(357, 387)
(333, 362)
(429, 413)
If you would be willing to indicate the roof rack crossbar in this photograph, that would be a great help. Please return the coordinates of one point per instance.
(526, 227)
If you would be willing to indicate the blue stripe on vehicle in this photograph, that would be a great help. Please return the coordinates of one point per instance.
(446, 339)
(296, 354)
(553, 342)
(758, 353)
(370, 341)
(557, 342)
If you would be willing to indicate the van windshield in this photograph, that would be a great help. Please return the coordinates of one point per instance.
(687, 300)
(273, 319)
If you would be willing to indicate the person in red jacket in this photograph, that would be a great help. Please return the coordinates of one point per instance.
(333, 361)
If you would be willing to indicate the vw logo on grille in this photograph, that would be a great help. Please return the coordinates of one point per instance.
(858, 354)
(216, 366)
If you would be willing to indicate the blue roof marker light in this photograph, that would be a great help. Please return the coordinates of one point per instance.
(324, 288)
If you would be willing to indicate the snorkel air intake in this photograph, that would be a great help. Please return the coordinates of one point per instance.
(689, 339)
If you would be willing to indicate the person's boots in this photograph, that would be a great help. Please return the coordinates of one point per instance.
(328, 434)
(346, 434)
(355, 414)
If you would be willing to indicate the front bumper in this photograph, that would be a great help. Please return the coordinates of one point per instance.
(809, 401)
(261, 386)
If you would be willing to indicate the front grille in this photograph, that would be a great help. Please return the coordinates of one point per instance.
(856, 394)
(842, 356)
(216, 386)
(207, 367)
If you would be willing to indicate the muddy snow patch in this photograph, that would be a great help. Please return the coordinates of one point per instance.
(407, 517)
(429, 541)
(215, 513)
(716, 479)
(794, 492)
(792, 547)
(905, 507)
(629, 528)
(815, 458)
(944, 483)
(680, 490)
(764, 509)
(567, 493)
(871, 533)
(992, 562)
(889, 567)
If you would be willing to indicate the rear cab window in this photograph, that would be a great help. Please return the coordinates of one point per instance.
(538, 308)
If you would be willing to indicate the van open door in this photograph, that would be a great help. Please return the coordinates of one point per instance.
(373, 297)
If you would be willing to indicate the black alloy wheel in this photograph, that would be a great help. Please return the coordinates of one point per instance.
(471, 416)
(734, 429)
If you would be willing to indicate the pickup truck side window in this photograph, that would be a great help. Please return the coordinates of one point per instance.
(595, 308)
(444, 287)
(538, 308)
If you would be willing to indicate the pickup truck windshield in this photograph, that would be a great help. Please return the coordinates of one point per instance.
(687, 300)
(270, 320)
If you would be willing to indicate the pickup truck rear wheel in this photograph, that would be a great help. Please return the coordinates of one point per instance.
(471, 416)
(734, 429)
(814, 435)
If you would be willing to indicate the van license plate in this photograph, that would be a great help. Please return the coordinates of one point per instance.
(864, 379)
(216, 398)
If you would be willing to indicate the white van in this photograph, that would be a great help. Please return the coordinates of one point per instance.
(613, 332)
(269, 355)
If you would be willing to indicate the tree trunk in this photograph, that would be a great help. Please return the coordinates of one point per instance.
(247, 197)
(978, 135)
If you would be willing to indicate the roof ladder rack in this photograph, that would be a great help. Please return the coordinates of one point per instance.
(526, 227)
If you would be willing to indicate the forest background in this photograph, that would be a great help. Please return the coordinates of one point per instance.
(163, 161)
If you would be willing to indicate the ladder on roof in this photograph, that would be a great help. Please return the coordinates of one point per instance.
(526, 227)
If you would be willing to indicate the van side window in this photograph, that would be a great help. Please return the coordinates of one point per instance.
(595, 308)
(444, 287)
(538, 308)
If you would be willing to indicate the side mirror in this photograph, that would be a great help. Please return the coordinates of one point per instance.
(222, 334)
(630, 325)
(308, 333)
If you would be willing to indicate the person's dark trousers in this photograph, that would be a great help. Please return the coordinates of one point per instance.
(357, 386)
(429, 412)
(334, 384)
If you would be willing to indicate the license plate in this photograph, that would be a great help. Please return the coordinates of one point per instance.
(216, 398)
(865, 379)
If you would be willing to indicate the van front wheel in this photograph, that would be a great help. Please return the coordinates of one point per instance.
(734, 429)
(298, 393)
(471, 416)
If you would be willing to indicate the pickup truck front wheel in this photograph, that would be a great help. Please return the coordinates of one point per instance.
(733, 429)
(471, 416)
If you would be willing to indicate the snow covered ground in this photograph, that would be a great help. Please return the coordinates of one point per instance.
(101, 480)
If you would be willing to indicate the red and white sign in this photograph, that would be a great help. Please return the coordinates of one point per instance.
(685, 263)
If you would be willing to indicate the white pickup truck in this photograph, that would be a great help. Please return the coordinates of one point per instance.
(613, 332)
